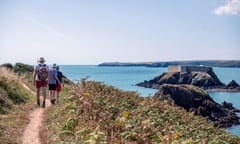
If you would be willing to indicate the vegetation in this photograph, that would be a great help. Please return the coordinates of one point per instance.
(22, 68)
(91, 112)
(7, 65)
(14, 106)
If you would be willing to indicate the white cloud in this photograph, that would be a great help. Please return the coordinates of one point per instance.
(232, 7)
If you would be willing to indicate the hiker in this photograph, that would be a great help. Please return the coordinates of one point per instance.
(52, 83)
(61, 84)
(40, 76)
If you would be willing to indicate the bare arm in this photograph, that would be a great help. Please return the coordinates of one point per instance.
(48, 74)
(56, 77)
(34, 76)
(62, 81)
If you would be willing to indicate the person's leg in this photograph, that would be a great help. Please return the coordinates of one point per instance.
(52, 89)
(50, 92)
(54, 93)
(53, 97)
(57, 95)
(58, 89)
(38, 86)
(38, 96)
(44, 93)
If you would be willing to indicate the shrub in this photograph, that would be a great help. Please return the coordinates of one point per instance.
(7, 65)
(22, 68)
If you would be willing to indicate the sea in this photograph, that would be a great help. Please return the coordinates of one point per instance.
(126, 78)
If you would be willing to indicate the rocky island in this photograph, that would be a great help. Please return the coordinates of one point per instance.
(196, 100)
(200, 76)
(185, 86)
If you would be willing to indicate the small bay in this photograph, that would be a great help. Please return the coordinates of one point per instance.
(126, 78)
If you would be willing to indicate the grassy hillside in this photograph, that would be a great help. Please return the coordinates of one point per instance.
(91, 113)
(14, 106)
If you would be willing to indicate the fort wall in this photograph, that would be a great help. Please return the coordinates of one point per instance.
(189, 69)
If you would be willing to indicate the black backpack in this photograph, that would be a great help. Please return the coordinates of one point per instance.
(42, 72)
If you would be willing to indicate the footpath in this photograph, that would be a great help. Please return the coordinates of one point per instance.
(32, 130)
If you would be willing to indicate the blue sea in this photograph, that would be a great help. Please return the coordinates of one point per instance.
(126, 78)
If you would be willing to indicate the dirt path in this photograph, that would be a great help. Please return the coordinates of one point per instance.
(31, 132)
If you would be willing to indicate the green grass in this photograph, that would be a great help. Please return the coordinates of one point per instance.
(91, 112)
(14, 107)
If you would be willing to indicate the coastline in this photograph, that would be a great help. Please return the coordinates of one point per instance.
(212, 63)
(223, 90)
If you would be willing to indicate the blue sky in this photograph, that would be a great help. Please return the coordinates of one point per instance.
(96, 31)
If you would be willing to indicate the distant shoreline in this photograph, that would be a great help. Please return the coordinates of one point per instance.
(223, 90)
(212, 63)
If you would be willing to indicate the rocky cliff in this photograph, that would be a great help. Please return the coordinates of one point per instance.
(196, 100)
(206, 80)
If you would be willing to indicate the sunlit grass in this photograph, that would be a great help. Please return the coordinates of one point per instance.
(14, 108)
(91, 112)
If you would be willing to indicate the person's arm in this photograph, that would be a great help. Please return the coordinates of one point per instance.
(56, 78)
(49, 75)
(34, 75)
(62, 79)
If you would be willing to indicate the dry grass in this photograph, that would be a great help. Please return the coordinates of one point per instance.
(13, 124)
(13, 98)
(8, 74)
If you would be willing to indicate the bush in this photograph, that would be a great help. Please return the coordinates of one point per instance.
(7, 65)
(22, 68)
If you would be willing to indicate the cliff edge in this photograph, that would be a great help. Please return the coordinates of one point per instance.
(196, 100)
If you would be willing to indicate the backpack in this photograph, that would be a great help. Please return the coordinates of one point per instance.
(42, 72)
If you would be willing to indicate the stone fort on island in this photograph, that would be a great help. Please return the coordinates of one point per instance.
(189, 69)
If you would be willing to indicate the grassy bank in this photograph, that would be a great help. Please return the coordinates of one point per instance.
(14, 107)
(91, 112)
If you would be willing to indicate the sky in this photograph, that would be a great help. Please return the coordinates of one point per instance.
(97, 31)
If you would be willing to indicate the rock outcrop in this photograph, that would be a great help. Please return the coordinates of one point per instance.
(233, 85)
(205, 80)
(196, 100)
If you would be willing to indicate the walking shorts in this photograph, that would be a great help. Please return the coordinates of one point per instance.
(40, 83)
(52, 86)
(58, 88)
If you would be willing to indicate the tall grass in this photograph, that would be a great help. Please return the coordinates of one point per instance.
(9, 82)
(13, 108)
(91, 112)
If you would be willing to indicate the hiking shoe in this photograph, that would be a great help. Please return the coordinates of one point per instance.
(38, 102)
(53, 101)
(43, 105)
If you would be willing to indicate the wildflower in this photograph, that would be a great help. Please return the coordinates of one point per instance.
(117, 123)
(125, 113)
(175, 136)
(86, 94)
